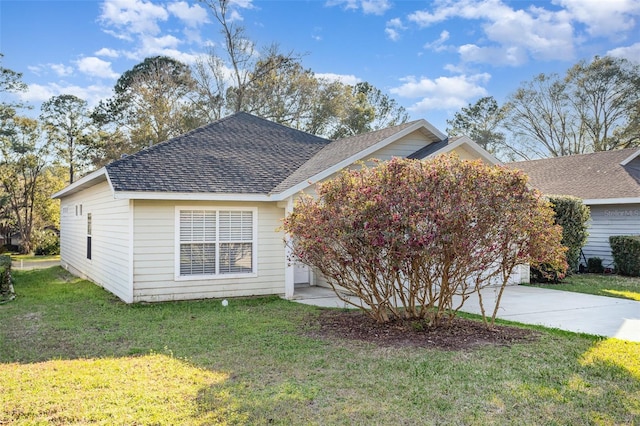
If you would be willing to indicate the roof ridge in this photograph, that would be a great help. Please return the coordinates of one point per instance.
(373, 132)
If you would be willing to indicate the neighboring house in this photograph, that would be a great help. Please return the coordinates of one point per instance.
(197, 216)
(608, 182)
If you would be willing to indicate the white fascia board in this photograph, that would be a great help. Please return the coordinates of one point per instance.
(189, 196)
(431, 128)
(630, 158)
(465, 140)
(359, 156)
(83, 183)
(603, 201)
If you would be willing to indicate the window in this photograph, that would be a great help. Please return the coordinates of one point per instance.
(215, 242)
(89, 236)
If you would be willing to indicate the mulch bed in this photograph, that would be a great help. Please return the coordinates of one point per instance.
(462, 334)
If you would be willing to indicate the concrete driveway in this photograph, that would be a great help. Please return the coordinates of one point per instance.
(582, 313)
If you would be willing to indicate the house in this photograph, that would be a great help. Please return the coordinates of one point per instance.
(608, 183)
(197, 216)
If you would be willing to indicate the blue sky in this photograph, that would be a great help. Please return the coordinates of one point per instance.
(433, 57)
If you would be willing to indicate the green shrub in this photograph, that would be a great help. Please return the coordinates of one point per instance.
(546, 274)
(626, 254)
(594, 265)
(47, 243)
(572, 215)
(6, 289)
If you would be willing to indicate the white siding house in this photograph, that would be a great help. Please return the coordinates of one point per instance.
(198, 216)
(608, 183)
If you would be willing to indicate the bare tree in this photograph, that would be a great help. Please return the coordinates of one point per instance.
(593, 108)
(605, 94)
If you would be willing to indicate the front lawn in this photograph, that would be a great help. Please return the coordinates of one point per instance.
(599, 284)
(72, 353)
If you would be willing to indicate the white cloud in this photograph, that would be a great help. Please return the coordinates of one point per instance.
(92, 94)
(632, 53)
(349, 79)
(438, 45)
(161, 46)
(393, 28)
(515, 34)
(242, 4)
(61, 69)
(442, 93)
(43, 69)
(373, 7)
(133, 16)
(96, 67)
(34, 69)
(192, 16)
(603, 18)
(105, 51)
(513, 55)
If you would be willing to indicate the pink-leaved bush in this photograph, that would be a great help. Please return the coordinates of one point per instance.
(415, 239)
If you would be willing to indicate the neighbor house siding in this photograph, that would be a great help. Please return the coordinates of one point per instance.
(109, 263)
(154, 255)
(607, 220)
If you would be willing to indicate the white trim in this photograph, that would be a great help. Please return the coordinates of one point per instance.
(190, 196)
(216, 276)
(421, 124)
(630, 158)
(289, 268)
(131, 251)
(85, 182)
(465, 140)
(603, 201)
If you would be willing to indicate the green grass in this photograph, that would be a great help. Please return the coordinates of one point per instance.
(70, 353)
(601, 285)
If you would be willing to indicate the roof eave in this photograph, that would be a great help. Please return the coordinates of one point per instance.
(603, 201)
(630, 158)
(465, 140)
(83, 183)
(191, 196)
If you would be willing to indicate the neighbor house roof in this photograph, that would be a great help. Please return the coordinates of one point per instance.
(596, 177)
(241, 153)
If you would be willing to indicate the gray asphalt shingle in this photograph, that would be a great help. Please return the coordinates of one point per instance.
(241, 153)
(598, 175)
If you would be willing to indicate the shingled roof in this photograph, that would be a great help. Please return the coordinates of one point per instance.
(241, 153)
(595, 176)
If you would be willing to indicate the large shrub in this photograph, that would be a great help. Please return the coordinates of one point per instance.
(6, 286)
(46, 242)
(416, 234)
(572, 215)
(626, 254)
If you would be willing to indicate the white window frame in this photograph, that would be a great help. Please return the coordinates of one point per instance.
(217, 275)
